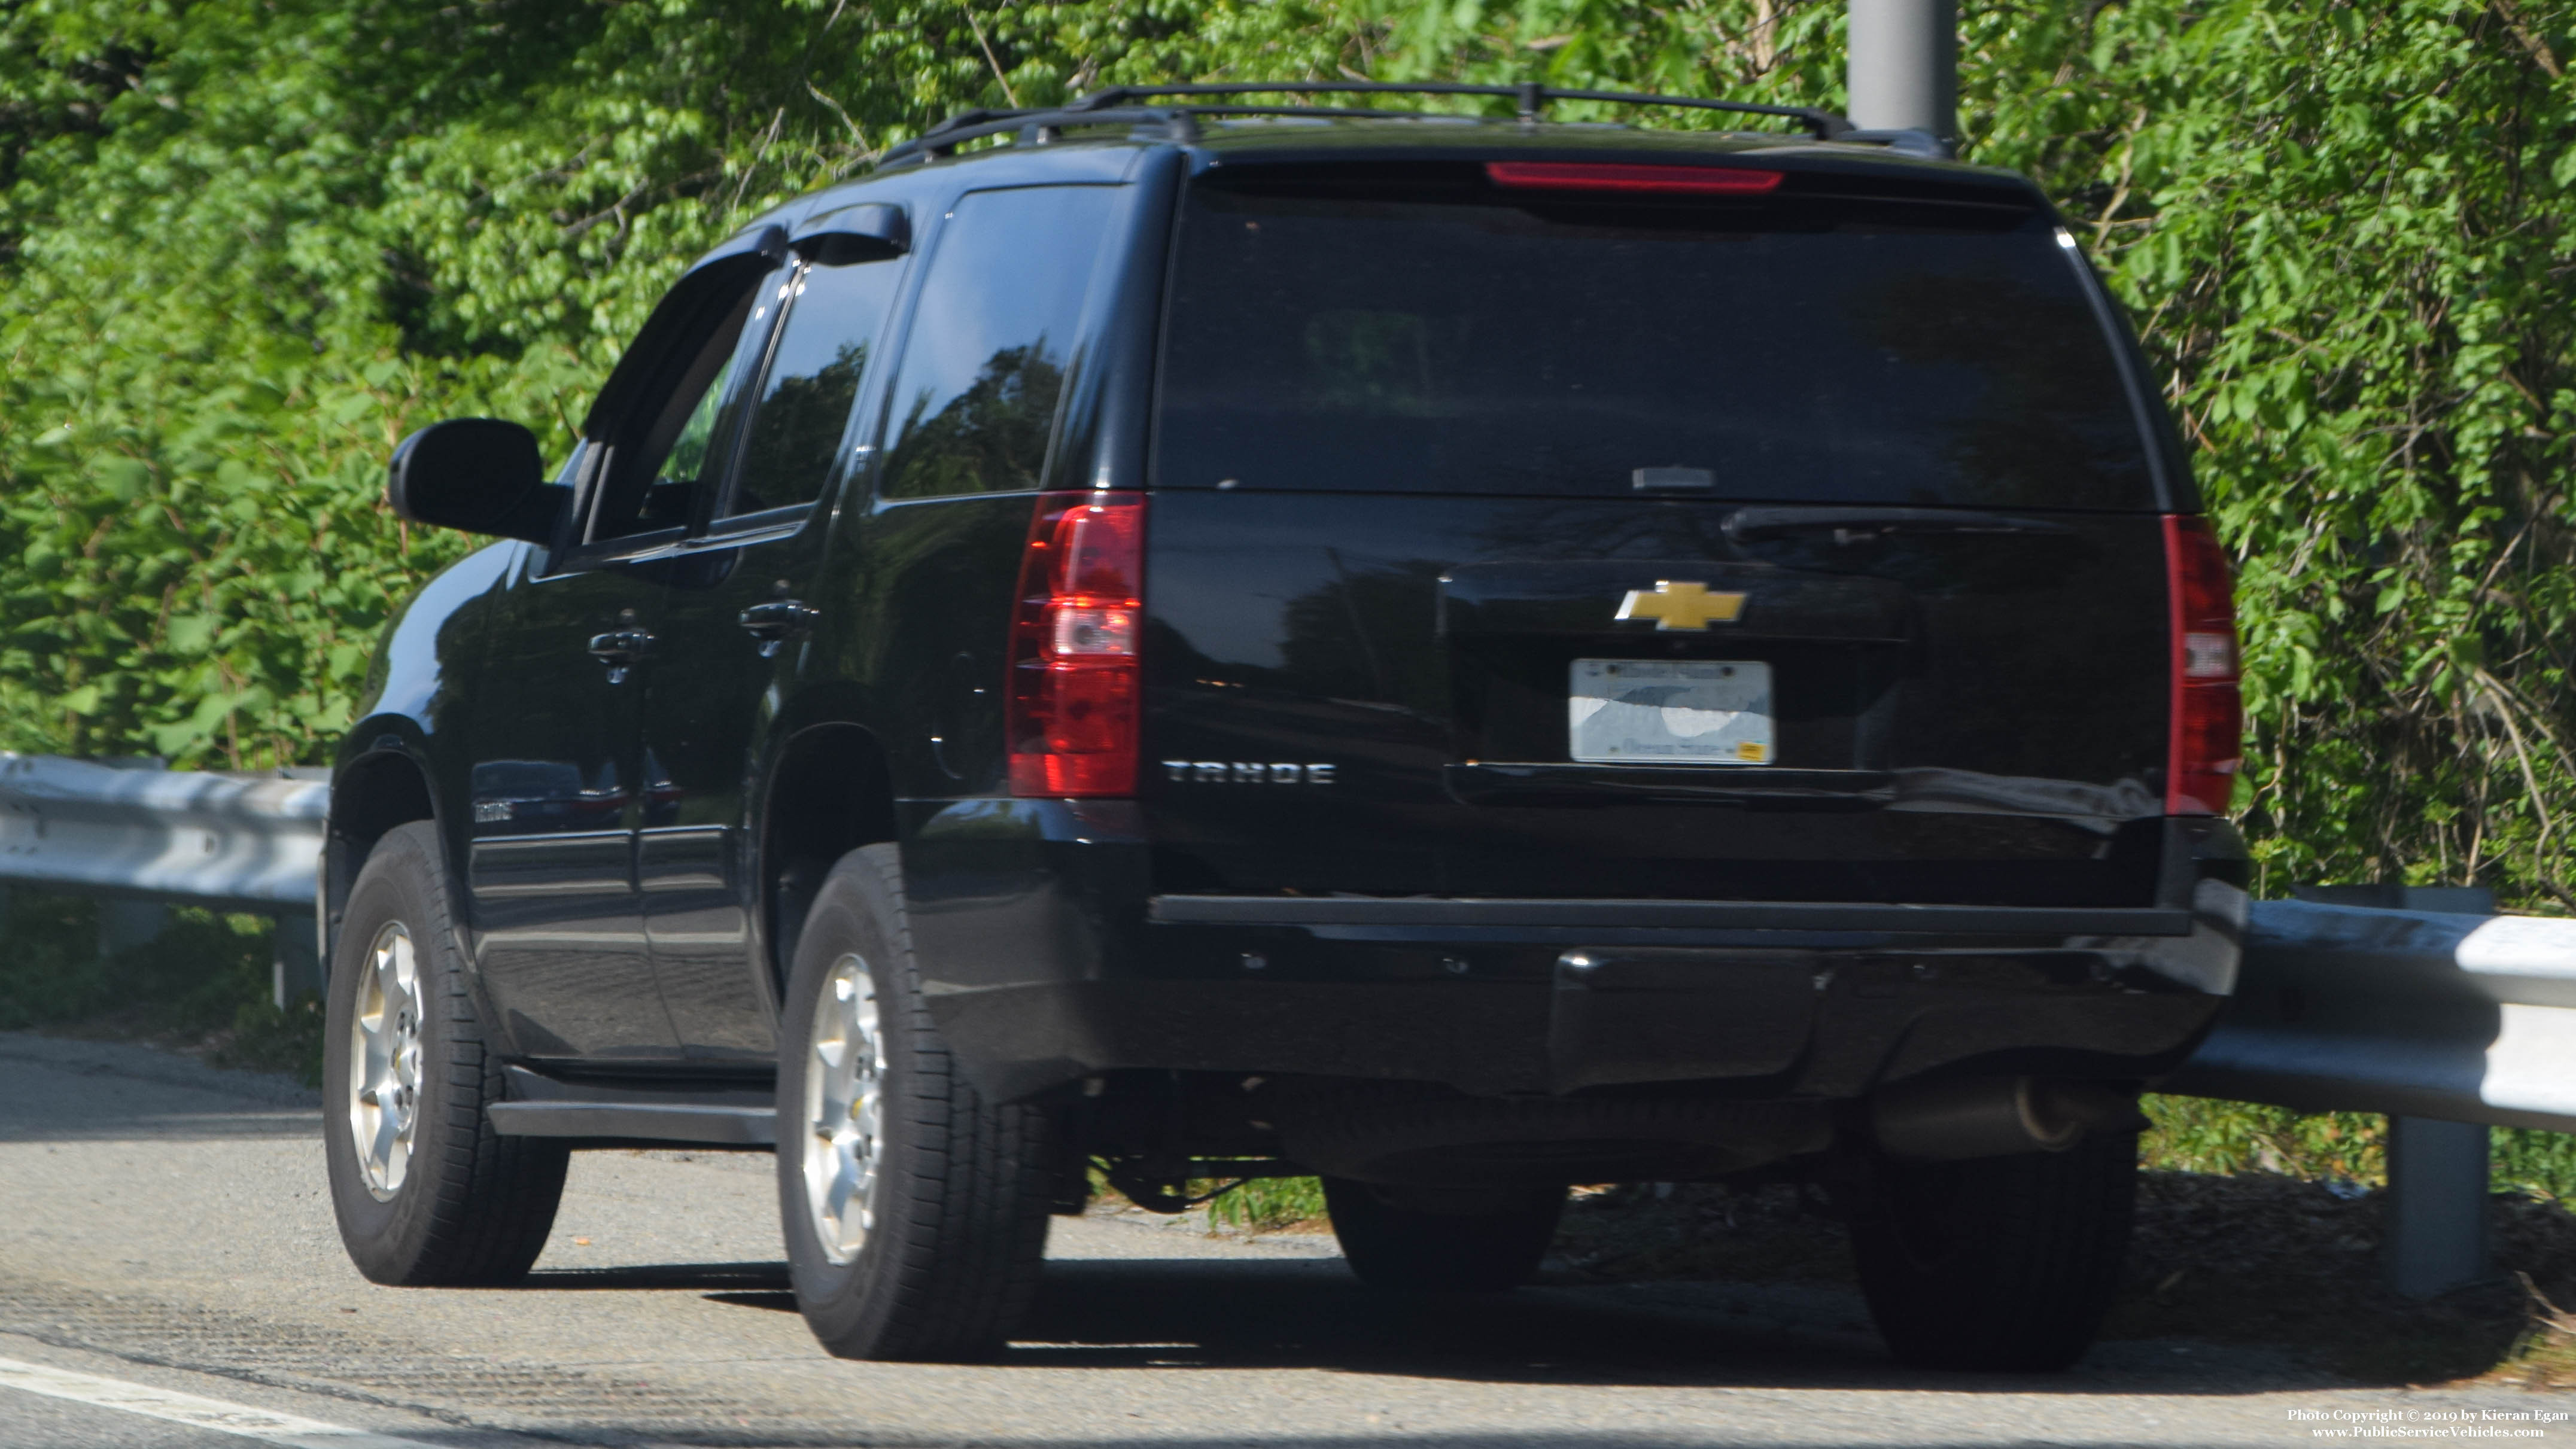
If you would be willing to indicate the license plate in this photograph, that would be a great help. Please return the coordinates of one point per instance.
(1670, 711)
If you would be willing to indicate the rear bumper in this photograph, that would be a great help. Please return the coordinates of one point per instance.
(1769, 1022)
(1046, 958)
(1355, 915)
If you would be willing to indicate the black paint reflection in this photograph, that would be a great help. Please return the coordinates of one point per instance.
(1395, 636)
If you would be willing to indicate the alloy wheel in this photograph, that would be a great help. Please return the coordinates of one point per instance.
(384, 1062)
(844, 1109)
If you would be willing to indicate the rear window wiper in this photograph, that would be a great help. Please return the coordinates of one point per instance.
(1855, 525)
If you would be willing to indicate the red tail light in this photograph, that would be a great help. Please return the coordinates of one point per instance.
(1072, 718)
(1588, 176)
(2208, 715)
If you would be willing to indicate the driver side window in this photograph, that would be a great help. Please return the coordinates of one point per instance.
(667, 457)
(689, 467)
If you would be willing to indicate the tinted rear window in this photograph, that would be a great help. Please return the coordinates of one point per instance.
(984, 368)
(1796, 348)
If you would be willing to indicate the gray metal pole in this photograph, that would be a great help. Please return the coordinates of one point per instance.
(2434, 1232)
(1905, 66)
(2437, 1171)
(126, 924)
(295, 958)
(2436, 1224)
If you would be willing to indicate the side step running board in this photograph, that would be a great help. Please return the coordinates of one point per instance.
(598, 1115)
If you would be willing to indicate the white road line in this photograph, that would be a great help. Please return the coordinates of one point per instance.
(203, 1413)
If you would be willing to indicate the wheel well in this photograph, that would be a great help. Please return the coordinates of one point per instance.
(828, 795)
(370, 797)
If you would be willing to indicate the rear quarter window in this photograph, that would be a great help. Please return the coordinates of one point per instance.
(1793, 348)
(793, 439)
(984, 363)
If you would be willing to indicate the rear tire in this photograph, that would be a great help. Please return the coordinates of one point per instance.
(425, 1191)
(1440, 1240)
(2000, 1263)
(915, 1210)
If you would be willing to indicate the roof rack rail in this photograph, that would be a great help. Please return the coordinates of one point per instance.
(946, 136)
(1529, 97)
(1118, 103)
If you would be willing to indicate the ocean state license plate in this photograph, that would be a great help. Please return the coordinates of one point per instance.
(1670, 711)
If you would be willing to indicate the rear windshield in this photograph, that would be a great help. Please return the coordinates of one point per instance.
(1805, 348)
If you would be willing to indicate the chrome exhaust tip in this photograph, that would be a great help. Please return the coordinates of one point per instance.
(1970, 1117)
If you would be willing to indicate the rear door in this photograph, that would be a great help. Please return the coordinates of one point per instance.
(1784, 538)
(991, 353)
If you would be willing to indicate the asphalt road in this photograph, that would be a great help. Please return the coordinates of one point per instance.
(165, 1245)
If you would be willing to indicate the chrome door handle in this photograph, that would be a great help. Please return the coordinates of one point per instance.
(779, 620)
(619, 649)
(621, 646)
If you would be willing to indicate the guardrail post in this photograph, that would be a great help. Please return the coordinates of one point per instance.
(295, 958)
(2435, 1238)
(123, 924)
(2437, 1171)
(2436, 1233)
(1904, 66)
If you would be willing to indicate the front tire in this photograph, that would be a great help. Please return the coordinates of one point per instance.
(1442, 1240)
(1999, 1263)
(915, 1210)
(425, 1192)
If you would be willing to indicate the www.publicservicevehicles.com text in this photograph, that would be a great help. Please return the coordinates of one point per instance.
(2464, 1423)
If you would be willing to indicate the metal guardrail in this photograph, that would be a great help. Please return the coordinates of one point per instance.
(233, 842)
(146, 836)
(2465, 1018)
(2440, 1019)
(2447, 1020)
(2468, 1018)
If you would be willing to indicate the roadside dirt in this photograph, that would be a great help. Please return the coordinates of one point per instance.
(2254, 1260)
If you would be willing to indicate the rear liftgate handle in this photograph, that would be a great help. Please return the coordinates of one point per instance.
(779, 620)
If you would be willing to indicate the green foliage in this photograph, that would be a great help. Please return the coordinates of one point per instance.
(2196, 1135)
(2345, 230)
(270, 1038)
(2540, 1164)
(2193, 1134)
(1267, 1204)
(246, 244)
(203, 982)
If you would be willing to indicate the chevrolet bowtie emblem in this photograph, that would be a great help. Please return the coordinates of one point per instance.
(1676, 604)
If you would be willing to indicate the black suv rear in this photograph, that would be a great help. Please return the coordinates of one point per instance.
(1459, 657)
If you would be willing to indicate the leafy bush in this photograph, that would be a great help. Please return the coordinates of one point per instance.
(1268, 1204)
(203, 983)
(248, 245)
(2193, 1134)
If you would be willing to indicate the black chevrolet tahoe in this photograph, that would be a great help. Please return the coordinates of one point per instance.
(1196, 636)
